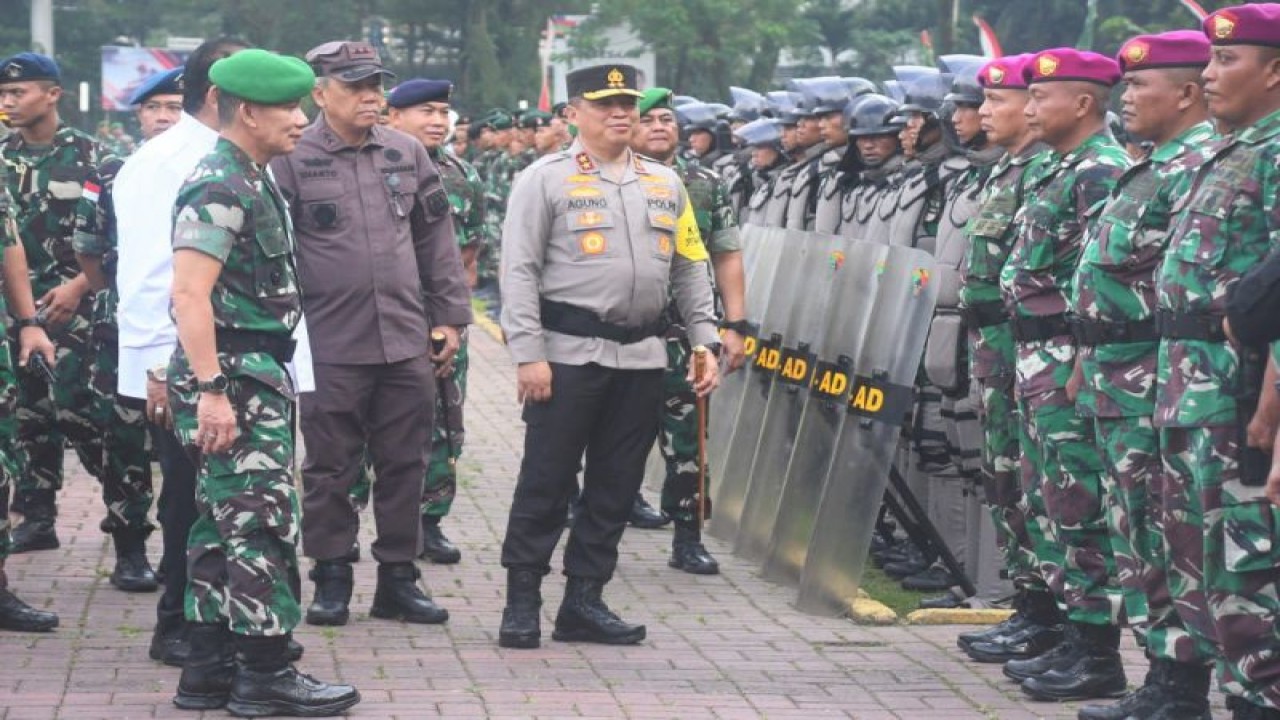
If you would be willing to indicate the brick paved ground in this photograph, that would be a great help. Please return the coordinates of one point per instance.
(719, 647)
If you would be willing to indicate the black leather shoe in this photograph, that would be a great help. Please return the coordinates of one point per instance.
(171, 648)
(946, 601)
(646, 516)
(34, 534)
(521, 618)
(689, 554)
(934, 579)
(1005, 627)
(398, 596)
(206, 677)
(1063, 653)
(133, 571)
(1091, 669)
(266, 684)
(584, 617)
(1029, 641)
(435, 546)
(906, 568)
(331, 603)
(21, 617)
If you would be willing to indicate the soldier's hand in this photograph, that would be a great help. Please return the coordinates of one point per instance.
(59, 304)
(158, 404)
(1076, 381)
(35, 339)
(1261, 431)
(533, 382)
(216, 427)
(444, 359)
(710, 376)
(733, 350)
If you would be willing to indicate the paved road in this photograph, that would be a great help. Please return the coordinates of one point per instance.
(728, 646)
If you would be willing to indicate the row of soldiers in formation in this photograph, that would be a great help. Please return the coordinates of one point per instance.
(1117, 303)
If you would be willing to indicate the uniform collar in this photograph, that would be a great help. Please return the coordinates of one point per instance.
(1265, 129)
(586, 165)
(254, 171)
(330, 142)
(1188, 139)
(63, 136)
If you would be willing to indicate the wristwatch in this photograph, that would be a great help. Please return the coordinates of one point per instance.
(742, 327)
(33, 321)
(216, 384)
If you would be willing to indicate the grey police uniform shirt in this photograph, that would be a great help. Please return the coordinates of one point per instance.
(573, 236)
(805, 181)
(377, 258)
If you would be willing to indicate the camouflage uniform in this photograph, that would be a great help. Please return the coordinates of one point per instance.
(1035, 283)
(46, 184)
(494, 167)
(1022, 539)
(1222, 228)
(678, 432)
(1114, 285)
(10, 462)
(243, 544)
(126, 462)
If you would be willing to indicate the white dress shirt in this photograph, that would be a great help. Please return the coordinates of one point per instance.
(145, 192)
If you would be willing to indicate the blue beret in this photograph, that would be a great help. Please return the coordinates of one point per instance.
(168, 82)
(29, 66)
(418, 91)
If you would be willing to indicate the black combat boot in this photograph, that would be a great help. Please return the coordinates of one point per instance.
(584, 617)
(646, 516)
(1138, 703)
(266, 684)
(206, 677)
(1008, 625)
(19, 616)
(1184, 694)
(521, 617)
(435, 546)
(1061, 654)
(36, 531)
(169, 643)
(398, 596)
(1041, 631)
(331, 603)
(1241, 709)
(133, 571)
(689, 554)
(1095, 669)
(935, 578)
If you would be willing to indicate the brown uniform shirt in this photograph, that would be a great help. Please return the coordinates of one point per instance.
(377, 258)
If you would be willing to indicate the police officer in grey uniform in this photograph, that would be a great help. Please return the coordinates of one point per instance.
(763, 139)
(596, 240)
(875, 156)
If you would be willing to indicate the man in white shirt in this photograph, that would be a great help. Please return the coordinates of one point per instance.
(145, 192)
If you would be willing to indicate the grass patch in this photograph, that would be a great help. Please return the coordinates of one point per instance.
(886, 590)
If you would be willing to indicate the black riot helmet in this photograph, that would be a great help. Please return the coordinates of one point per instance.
(895, 90)
(822, 95)
(961, 64)
(748, 105)
(926, 93)
(721, 110)
(678, 100)
(872, 114)
(859, 86)
(907, 74)
(763, 132)
(783, 104)
(696, 116)
(965, 89)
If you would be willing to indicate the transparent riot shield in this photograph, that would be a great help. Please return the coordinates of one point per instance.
(730, 486)
(823, 267)
(847, 323)
(877, 403)
(761, 264)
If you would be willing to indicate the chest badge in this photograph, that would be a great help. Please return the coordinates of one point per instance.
(592, 243)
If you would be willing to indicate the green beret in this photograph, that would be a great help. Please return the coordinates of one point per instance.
(263, 77)
(655, 97)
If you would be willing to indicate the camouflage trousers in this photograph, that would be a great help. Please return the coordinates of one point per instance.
(1073, 498)
(447, 437)
(441, 484)
(126, 478)
(678, 438)
(242, 547)
(50, 417)
(1001, 455)
(9, 465)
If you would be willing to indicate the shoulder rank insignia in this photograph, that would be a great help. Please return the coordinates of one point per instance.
(585, 163)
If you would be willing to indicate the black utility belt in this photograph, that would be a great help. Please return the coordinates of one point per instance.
(984, 314)
(1188, 326)
(1040, 327)
(240, 342)
(1090, 332)
(580, 322)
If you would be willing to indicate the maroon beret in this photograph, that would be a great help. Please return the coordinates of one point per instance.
(1176, 48)
(1004, 73)
(1253, 24)
(1069, 64)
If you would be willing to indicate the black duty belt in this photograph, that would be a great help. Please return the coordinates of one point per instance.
(1092, 332)
(580, 322)
(984, 314)
(240, 342)
(1040, 327)
(1186, 326)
